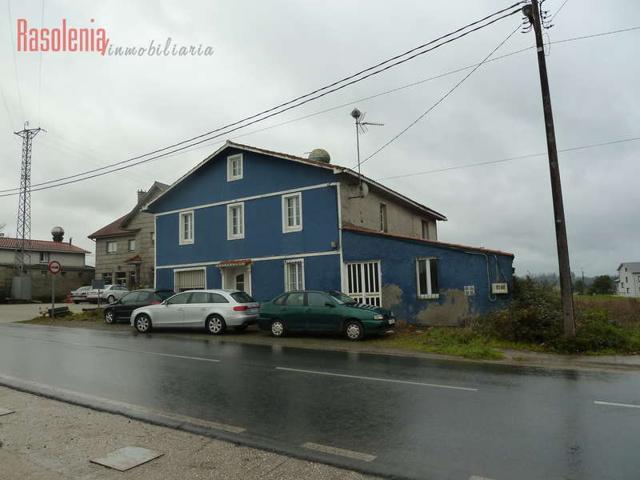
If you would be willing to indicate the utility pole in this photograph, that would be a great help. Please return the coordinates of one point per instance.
(23, 229)
(532, 12)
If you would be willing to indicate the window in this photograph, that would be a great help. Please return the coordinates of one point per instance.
(427, 277)
(199, 297)
(179, 299)
(108, 278)
(281, 299)
(131, 244)
(121, 278)
(469, 290)
(235, 221)
(44, 257)
(186, 228)
(234, 167)
(292, 212)
(240, 282)
(134, 298)
(295, 299)
(425, 230)
(315, 299)
(112, 247)
(132, 278)
(293, 275)
(242, 297)
(152, 236)
(384, 227)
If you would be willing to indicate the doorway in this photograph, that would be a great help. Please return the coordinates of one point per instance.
(237, 278)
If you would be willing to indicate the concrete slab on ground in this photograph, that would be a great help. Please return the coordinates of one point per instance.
(127, 458)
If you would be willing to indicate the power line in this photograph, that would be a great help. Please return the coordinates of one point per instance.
(441, 99)
(558, 10)
(415, 52)
(510, 159)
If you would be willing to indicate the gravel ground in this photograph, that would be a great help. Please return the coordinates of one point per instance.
(49, 440)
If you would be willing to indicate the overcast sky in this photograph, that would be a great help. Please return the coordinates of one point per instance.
(99, 110)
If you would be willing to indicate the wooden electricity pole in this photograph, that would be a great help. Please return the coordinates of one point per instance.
(532, 12)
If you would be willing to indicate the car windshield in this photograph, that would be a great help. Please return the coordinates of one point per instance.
(342, 298)
(242, 297)
(164, 294)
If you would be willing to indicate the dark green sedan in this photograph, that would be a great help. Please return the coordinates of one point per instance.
(323, 312)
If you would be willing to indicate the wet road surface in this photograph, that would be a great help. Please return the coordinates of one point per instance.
(408, 417)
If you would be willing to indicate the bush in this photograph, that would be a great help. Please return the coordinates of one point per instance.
(595, 332)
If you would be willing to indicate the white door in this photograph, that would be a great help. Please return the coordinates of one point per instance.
(364, 282)
(237, 278)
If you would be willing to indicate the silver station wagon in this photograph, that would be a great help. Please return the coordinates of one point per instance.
(215, 310)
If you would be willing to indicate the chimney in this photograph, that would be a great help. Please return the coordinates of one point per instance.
(141, 194)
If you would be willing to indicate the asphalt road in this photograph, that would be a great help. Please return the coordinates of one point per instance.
(408, 417)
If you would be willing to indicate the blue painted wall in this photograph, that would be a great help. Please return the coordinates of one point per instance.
(456, 268)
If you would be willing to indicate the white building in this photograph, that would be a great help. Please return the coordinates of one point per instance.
(629, 279)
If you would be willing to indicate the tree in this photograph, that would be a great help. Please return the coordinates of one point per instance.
(602, 285)
(579, 287)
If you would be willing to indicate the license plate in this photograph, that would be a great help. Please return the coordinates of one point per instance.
(392, 321)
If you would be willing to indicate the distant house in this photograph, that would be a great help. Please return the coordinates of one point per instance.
(125, 248)
(267, 222)
(75, 273)
(628, 284)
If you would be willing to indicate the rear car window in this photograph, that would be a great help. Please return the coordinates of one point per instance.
(317, 299)
(242, 297)
(217, 298)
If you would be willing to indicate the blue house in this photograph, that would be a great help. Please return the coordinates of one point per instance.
(267, 222)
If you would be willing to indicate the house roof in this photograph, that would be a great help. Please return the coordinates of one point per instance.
(436, 243)
(336, 169)
(8, 243)
(118, 228)
(634, 267)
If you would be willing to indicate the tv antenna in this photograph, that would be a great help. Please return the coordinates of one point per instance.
(361, 127)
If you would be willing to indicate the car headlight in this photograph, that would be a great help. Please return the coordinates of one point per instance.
(378, 316)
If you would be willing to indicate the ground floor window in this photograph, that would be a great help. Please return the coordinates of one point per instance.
(189, 280)
(427, 277)
(133, 281)
(108, 278)
(121, 278)
(363, 282)
(294, 275)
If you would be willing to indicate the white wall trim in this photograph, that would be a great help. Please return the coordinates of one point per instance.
(254, 197)
(342, 267)
(258, 259)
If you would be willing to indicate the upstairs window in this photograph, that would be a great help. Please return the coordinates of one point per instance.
(292, 212)
(425, 230)
(427, 277)
(44, 257)
(235, 221)
(131, 244)
(384, 226)
(234, 167)
(112, 247)
(186, 228)
(293, 275)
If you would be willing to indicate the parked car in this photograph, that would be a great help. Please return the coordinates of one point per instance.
(120, 310)
(109, 294)
(323, 312)
(80, 294)
(215, 310)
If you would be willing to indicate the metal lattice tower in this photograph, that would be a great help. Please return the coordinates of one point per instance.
(23, 229)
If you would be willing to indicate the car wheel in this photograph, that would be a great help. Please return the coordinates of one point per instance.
(277, 328)
(109, 317)
(353, 330)
(111, 299)
(216, 325)
(143, 323)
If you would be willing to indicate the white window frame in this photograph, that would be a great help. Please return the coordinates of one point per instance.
(129, 242)
(231, 207)
(298, 261)
(181, 239)
(429, 295)
(286, 228)
(44, 257)
(231, 160)
(115, 249)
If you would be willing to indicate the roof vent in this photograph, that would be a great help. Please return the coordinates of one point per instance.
(57, 233)
(320, 155)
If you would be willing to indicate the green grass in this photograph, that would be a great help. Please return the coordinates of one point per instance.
(90, 316)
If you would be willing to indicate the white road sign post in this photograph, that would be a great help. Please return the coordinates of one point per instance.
(54, 268)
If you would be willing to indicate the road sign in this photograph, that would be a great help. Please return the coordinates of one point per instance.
(54, 267)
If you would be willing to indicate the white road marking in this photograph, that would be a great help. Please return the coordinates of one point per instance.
(375, 379)
(475, 477)
(613, 404)
(185, 357)
(365, 457)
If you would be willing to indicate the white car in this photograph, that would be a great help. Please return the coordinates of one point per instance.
(214, 310)
(108, 294)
